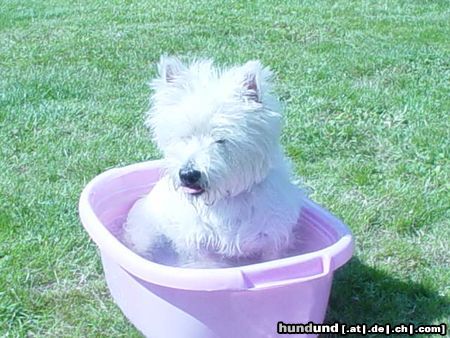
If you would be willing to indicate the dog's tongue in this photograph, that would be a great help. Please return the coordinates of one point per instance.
(192, 190)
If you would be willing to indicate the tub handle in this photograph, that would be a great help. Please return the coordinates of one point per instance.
(289, 274)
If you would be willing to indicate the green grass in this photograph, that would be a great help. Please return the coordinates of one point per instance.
(367, 92)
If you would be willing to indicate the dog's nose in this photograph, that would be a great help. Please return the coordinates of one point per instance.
(189, 176)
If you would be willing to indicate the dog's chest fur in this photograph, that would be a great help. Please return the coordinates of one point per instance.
(257, 222)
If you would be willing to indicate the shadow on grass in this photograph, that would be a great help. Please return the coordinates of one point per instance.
(362, 294)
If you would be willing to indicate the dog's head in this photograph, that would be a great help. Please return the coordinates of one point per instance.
(218, 129)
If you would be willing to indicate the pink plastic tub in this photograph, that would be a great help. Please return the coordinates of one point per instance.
(239, 302)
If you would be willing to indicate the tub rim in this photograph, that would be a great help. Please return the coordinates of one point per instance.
(246, 277)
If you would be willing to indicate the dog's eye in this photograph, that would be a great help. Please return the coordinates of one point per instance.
(221, 141)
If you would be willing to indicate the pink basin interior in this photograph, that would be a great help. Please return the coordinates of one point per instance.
(324, 242)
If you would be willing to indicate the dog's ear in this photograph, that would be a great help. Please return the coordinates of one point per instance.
(169, 68)
(254, 78)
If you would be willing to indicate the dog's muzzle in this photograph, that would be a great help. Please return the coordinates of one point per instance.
(190, 180)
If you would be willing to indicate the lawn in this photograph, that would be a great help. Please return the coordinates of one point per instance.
(366, 85)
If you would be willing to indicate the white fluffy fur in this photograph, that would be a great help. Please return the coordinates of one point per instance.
(249, 205)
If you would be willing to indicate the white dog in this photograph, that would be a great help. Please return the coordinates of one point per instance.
(227, 194)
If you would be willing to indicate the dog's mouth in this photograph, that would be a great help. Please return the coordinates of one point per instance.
(193, 189)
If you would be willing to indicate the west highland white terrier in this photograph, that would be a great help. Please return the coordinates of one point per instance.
(226, 196)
